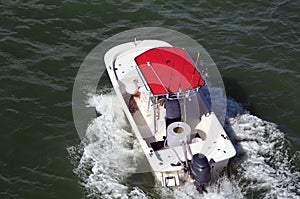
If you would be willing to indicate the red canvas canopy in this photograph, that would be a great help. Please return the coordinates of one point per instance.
(168, 70)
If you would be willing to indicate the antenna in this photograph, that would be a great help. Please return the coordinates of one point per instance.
(197, 59)
(195, 70)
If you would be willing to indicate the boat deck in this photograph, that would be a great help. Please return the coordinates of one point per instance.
(148, 121)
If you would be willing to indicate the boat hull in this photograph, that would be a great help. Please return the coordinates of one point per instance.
(168, 164)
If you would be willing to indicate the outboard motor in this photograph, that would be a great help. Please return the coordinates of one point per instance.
(200, 170)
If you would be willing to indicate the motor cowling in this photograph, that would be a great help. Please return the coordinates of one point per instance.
(200, 170)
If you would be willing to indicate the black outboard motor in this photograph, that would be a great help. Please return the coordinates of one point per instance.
(200, 170)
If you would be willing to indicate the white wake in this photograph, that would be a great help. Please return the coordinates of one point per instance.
(261, 168)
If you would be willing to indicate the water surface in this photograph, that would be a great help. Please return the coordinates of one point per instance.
(42, 44)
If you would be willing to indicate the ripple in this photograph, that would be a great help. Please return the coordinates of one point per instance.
(255, 45)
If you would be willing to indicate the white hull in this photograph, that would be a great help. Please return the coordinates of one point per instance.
(213, 141)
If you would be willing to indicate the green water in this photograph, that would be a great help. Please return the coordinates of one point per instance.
(256, 46)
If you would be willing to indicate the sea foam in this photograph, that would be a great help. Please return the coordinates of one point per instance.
(261, 168)
(107, 153)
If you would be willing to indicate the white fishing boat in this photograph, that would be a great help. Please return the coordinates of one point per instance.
(159, 88)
